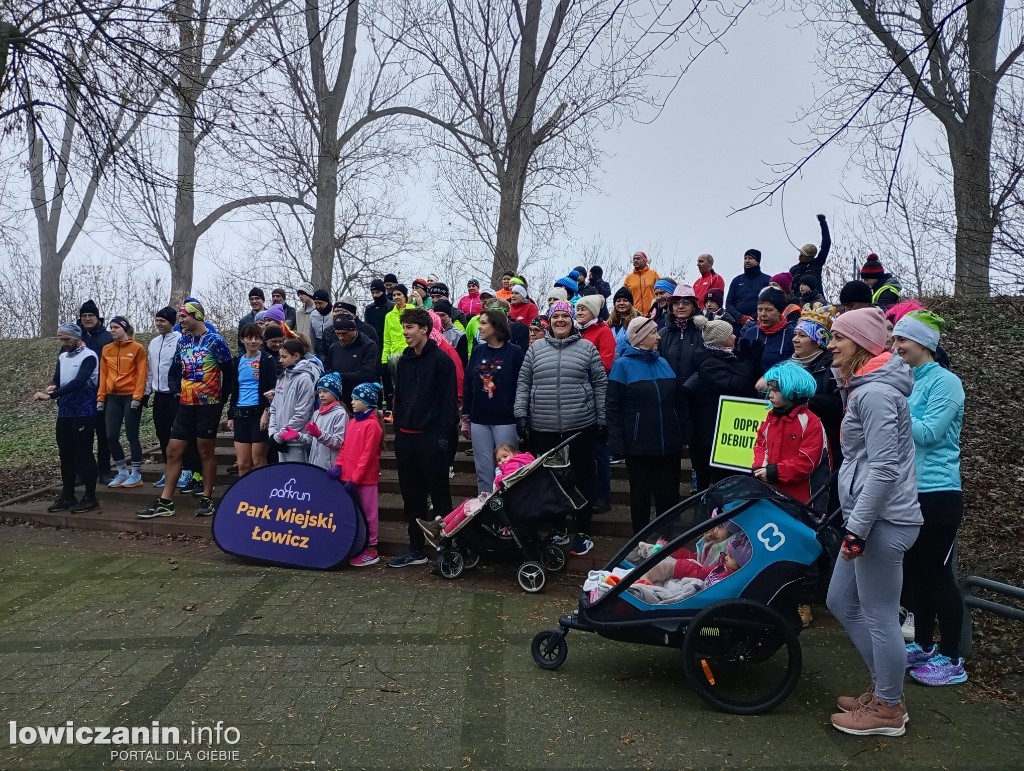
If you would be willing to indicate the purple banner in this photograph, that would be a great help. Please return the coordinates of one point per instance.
(289, 514)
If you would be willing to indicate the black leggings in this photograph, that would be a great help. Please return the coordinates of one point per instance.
(652, 476)
(118, 410)
(928, 573)
(74, 444)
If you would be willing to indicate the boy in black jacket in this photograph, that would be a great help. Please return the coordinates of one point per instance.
(425, 414)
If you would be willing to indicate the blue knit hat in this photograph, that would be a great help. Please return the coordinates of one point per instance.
(369, 394)
(331, 382)
(571, 286)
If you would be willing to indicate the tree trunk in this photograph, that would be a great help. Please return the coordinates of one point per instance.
(324, 218)
(510, 223)
(970, 152)
(50, 263)
(183, 246)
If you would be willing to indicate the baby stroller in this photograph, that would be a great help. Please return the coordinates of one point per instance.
(506, 525)
(738, 636)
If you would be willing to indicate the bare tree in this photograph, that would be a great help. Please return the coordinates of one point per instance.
(888, 63)
(908, 219)
(519, 89)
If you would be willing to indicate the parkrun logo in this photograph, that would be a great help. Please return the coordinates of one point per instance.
(288, 493)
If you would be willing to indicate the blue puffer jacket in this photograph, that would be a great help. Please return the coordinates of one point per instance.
(642, 405)
(936, 416)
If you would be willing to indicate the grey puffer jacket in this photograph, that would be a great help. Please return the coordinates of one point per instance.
(292, 406)
(877, 479)
(562, 385)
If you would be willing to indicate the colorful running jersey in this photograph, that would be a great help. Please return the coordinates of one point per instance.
(200, 375)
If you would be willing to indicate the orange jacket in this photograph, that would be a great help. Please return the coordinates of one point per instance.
(641, 284)
(123, 370)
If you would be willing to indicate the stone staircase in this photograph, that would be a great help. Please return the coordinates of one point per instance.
(118, 506)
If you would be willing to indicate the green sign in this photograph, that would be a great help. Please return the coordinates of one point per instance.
(736, 432)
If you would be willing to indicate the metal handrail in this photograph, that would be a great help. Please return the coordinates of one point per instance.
(970, 601)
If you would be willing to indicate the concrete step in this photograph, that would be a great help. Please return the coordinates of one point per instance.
(119, 517)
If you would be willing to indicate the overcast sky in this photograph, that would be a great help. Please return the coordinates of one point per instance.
(669, 187)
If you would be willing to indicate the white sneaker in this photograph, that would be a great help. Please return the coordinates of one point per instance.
(907, 627)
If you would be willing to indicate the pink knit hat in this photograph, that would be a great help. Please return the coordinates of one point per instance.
(866, 327)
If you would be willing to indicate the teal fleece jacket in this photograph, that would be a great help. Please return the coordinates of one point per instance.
(936, 417)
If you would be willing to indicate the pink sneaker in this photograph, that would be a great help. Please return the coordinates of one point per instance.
(365, 559)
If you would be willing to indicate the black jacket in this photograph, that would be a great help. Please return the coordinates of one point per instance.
(715, 373)
(602, 288)
(814, 266)
(358, 362)
(289, 316)
(809, 300)
(97, 337)
(426, 394)
(827, 403)
(643, 406)
(520, 335)
(330, 338)
(724, 315)
(375, 313)
(268, 381)
(678, 347)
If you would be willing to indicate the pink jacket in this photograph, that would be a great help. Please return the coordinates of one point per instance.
(359, 456)
(513, 464)
(470, 304)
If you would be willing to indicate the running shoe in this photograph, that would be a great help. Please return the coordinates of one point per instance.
(581, 545)
(159, 508)
(86, 504)
(560, 537)
(364, 560)
(161, 481)
(184, 479)
(907, 626)
(940, 670)
(61, 504)
(206, 506)
(119, 480)
(134, 480)
(408, 558)
(916, 655)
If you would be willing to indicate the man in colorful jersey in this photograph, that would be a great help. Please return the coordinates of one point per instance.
(201, 370)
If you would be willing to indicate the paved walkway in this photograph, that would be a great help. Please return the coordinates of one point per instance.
(382, 670)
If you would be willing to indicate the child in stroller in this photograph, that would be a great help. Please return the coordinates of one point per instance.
(508, 460)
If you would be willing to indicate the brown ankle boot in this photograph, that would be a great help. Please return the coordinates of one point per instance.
(875, 717)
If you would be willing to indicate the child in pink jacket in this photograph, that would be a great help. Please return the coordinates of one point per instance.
(509, 460)
(358, 463)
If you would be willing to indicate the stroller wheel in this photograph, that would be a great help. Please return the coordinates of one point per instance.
(742, 656)
(549, 649)
(450, 564)
(470, 558)
(531, 577)
(554, 558)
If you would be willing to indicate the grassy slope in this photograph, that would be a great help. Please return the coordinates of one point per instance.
(27, 426)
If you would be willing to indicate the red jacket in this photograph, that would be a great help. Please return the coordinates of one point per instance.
(701, 286)
(794, 448)
(359, 456)
(523, 312)
(603, 339)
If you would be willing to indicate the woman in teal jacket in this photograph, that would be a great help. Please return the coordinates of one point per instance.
(936, 414)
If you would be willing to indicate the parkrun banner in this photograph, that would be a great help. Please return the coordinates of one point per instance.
(290, 514)
(736, 432)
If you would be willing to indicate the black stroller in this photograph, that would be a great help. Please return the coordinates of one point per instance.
(738, 627)
(508, 523)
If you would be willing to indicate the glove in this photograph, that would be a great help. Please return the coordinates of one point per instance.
(145, 401)
(523, 428)
(136, 404)
(821, 218)
(335, 473)
(313, 430)
(288, 435)
(100, 406)
(602, 432)
(853, 546)
(465, 429)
